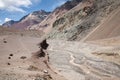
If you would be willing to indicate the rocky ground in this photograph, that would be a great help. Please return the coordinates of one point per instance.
(74, 61)
(68, 60)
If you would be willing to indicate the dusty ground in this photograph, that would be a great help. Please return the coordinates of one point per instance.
(18, 46)
(16, 61)
(68, 60)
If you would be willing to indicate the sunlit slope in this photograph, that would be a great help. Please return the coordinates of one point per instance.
(108, 28)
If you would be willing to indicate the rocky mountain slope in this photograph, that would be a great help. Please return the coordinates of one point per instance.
(109, 28)
(47, 24)
(41, 20)
(82, 19)
(27, 21)
(74, 20)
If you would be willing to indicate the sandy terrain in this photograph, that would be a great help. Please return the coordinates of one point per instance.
(68, 60)
(17, 62)
(18, 46)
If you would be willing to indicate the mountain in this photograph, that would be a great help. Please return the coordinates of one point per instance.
(42, 20)
(70, 4)
(9, 23)
(74, 20)
(28, 20)
(78, 22)
(47, 23)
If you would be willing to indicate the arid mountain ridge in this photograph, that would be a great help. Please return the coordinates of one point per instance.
(28, 20)
(36, 17)
(73, 20)
(77, 23)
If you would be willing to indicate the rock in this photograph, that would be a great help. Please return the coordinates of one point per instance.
(32, 68)
(5, 41)
(23, 57)
(45, 71)
(8, 63)
(11, 55)
(44, 44)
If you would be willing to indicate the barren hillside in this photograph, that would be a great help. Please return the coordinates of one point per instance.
(47, 24)
(80, 21)
(109, 28)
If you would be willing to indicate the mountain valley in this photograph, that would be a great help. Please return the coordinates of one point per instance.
(79, 40)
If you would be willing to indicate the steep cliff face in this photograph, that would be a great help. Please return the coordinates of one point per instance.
(27, 21)
(47, 23)
(82, 19)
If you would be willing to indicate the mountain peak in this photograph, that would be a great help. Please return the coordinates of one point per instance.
(70, 4)
(40, 12)
(28, 20)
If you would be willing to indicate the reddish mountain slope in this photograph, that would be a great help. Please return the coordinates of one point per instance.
(28, 20)
(47, 23)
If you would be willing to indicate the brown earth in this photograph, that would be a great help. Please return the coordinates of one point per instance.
(18, 60)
